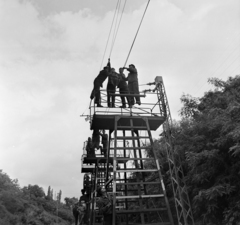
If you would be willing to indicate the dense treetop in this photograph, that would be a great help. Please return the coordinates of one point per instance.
(30, 205)
(207, 139)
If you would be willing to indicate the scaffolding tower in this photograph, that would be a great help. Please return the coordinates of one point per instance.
(131, 177)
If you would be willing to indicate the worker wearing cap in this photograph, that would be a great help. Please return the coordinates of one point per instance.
(133, 84)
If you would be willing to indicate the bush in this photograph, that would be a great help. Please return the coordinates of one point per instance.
(12, 203)
(65, 214)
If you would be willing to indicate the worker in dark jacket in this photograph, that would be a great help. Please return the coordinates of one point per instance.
(133, 83)
(96, 139)
(84, 202)
(98, 82)
(123, 88)
(90, 148)
(104, 143)
(113, 81)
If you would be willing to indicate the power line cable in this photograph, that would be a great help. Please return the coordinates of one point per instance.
(115, 26)
(109, 35)
(233, 71)
(219, 59)
(220, 74)
(137, 33)
(221, 62)
(225, 59)
(230, 65)
(118, 26)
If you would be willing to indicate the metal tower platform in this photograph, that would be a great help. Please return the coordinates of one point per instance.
(132, 178)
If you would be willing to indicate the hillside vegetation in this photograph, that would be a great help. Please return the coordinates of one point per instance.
(207, 139)
(30, 205)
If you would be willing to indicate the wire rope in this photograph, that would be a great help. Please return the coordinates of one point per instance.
(118, 27)
(109, 35)
(136, 33)
(222, 61)
(115, 25)
(219, 75)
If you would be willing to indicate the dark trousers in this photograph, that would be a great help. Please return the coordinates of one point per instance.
(124, 90)
(111, 99)
(96, 92)
(133, 89)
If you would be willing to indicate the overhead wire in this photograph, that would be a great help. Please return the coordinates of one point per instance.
(114, 39)
(222, 72)
(221, 61)
(115, 26)
(136, 33)
(109, 34)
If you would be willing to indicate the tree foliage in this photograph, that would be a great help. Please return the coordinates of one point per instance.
(210, 138)
(28, 205)
(207, 139)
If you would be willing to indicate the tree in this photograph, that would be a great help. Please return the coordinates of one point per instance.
(35, 190)
(59, 196)
(51, 194)
(209, 137)
(70, 201)
(49, 191)
(6, 183)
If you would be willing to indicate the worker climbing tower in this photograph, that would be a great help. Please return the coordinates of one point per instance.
(131, 175)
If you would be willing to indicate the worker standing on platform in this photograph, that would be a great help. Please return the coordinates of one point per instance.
(96, 139)
(133, 84)
(104, 143)
(113, 81)
(98, 82)
(89, 148)
(123, 89)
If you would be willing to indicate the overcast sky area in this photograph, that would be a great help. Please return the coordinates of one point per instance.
(51, 51)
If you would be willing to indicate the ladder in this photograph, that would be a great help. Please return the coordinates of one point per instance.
(134, 199)
(182, 201)
(99, 181)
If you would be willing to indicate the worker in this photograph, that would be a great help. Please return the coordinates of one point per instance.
(104, 143)
(133, 84)
(84, 197)
(96, 139)
(75, 211)
(89, 148)
(104, 203)
(123, 89)
(83, 201)
(113, 80)
(87, 183)
(98, 82)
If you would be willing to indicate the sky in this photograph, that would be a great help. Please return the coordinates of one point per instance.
(51, 51)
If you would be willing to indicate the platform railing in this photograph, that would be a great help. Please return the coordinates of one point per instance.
(149, 105)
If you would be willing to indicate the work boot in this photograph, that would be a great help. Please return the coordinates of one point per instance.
(139, 103)
(123, 106)
(98, 105)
